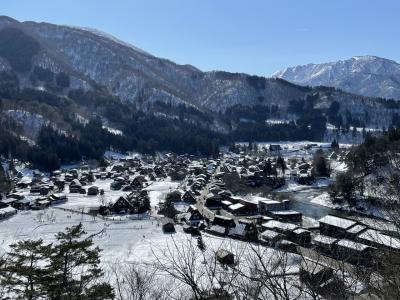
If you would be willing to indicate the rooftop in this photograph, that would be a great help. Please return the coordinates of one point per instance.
(322, 239)
(279, 225)
(236, 206)
(285, 212)
(352, 245)
(270, 234)
(337, 221)
(356, 229)
(380, 238)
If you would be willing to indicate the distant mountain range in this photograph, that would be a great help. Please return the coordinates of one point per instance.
(95, 59)
(63, 76)
(364, 75)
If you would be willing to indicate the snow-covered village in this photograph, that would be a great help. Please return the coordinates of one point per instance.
(199, 150)
(257, 200)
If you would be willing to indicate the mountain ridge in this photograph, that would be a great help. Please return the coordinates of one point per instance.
(367, 75)
(88, 86)
(96, 60)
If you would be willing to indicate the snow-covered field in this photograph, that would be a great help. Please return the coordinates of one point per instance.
(84, 202)
(293, 186)
(125, 241)
(121, 238)
(159, 189)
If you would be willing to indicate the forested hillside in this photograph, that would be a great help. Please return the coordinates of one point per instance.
(69, 93)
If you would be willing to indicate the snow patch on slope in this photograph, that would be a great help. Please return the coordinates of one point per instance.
(111, 38)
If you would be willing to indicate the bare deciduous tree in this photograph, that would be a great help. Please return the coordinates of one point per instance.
(135, 282)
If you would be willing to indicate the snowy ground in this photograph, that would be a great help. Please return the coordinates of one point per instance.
(27, 173)
(122, 238)
(84, 202)
(124, 241)
(324, 200)
(362, 207)
(338, 167)
(129, 241)
(158, 190)
(293, 186)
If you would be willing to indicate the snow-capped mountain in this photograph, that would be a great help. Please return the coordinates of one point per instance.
(92, 58)
(365, 75)
(36, 53)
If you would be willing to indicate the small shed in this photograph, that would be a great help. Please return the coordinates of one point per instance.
(7, 212)
(270, 237)
(58, 198)
(168, 225)
(267, 205)
(225, 257)
(324, 244)
(275, 148)
(22, 204)
(301, 237)
(76, 187)
(93, 191)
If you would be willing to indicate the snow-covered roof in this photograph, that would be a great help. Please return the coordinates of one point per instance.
(7, 209)
(59, 195)
(236, 206)
(323, 239)
(222, 217)
(269, 201)
(8, 200)
(165, 221)
(226, 202)
(25, 201)
(279, 225)
(270, 234)
(285, 212)
(380, 238)
(300, 231)
(352, 245)
(356, 229)
(218, 229)
(239, 229)
(337, 221)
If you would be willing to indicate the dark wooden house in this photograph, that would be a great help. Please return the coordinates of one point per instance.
(335, 226)
(168, 225)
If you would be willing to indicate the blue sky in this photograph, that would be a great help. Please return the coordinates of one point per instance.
(252, 36)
